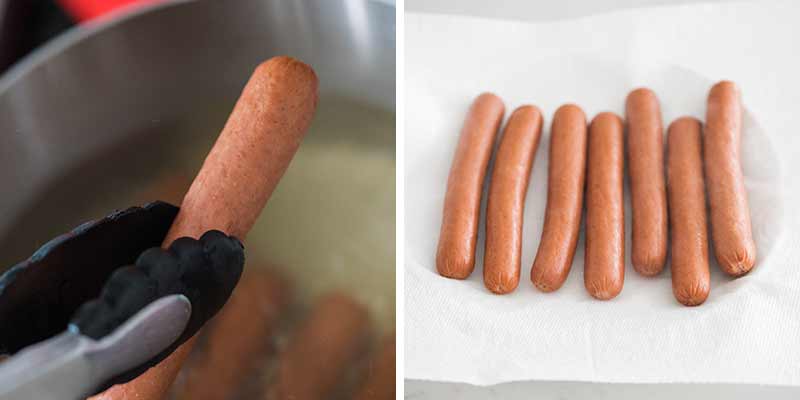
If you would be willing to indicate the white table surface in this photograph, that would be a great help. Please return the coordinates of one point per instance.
(422, 390)
(535, 10)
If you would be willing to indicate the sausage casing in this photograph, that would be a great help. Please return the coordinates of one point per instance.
(506, 203)
(731, 231)
(687, 211)
(565, 181)
(604, 263)
(455, 256)
(648, 188)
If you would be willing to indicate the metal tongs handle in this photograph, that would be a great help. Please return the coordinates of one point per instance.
(71, 365)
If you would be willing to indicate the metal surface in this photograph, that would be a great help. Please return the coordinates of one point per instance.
(70, 365)
(101, 84)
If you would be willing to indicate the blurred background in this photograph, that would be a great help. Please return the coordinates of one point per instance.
(26, 25)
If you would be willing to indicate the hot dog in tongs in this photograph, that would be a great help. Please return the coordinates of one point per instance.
(240, 173)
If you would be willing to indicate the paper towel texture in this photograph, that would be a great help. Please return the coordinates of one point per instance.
(748, 331)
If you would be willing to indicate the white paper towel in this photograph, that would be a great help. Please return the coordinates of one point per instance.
(748, 331)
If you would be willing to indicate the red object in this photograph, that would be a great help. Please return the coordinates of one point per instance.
(85, 10)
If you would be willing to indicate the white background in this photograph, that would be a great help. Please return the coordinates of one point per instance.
(533, 10)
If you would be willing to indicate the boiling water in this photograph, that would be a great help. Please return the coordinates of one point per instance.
(330, 224)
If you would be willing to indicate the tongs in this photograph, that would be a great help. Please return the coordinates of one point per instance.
(72, 365)
(104, 302)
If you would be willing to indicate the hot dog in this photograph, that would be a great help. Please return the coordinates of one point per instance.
(238, 176)
(238, 340)
(648, 189)
(455, 256)
(562, 219)
(604, 271)
(380, 381)
(318, 355)
(506, 204)
(731, 231)
(687, 210)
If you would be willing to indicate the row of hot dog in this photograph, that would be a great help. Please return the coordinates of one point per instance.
(668, 199)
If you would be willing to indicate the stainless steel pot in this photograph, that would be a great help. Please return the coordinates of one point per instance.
(113, 91)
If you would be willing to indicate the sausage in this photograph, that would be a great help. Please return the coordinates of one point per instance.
(731, 231)
(604, 269)
(562, 218)
(455, 256)
(239, 174)
(648, 189)
(319, 354)
(380, 382)
(239, 337)
(687, 210)
(506, 203)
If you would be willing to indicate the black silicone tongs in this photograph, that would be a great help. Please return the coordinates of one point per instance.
(103, 274)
